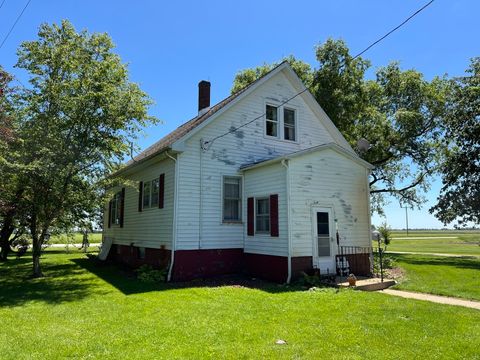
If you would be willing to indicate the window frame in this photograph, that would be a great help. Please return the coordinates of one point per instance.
(151, 194)
(269, 120)
(267, 215)
(281, 121)
(284, 125)
(116, 209)
(240, 200)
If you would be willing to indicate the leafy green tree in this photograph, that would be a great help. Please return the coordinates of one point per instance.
(398, 113)
(459, 197)
(80, 116)
(11, 190)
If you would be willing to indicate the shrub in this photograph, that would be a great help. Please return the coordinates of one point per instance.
(388, 262)
(147, 273)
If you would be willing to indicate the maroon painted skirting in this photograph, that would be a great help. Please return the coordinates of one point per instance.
(129, 255)
(193, 264)
(301, 264)
(268, 267)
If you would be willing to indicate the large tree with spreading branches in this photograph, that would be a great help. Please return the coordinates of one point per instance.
(398, 112)
(79, 116)
(459, 198)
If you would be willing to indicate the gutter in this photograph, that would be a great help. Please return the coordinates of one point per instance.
(175, 206)
(289, 220)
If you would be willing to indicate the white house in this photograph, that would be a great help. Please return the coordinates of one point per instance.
(260, 183)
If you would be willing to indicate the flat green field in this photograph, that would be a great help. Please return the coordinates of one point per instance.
(75, 238)
(83, 310)
(449, 276)
(441, 241)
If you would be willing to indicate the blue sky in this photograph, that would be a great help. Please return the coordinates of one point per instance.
(170, 46)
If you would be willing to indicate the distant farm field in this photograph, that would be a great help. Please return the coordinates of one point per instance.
(436, 241)
(75, 238)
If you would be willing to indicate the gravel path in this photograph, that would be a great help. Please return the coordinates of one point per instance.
(434, 298)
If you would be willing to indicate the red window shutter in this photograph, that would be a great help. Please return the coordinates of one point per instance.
(274, 215)
(140, 195)
(161, 191)
(250, 216)
(122, 207)
(110, 213)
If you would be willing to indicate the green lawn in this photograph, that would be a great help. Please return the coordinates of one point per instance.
(85, 311)
(440, 241)
(450, 276)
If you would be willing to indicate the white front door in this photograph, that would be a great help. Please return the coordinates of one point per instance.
(323, 239)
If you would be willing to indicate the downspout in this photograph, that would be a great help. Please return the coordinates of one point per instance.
(200, 200)
(368, 171)
(175, 206)
(289, 223)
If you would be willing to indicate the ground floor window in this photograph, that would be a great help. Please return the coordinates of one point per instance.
(232, 198)
(262, 215)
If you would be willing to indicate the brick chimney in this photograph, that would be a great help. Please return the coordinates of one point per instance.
(203, 96)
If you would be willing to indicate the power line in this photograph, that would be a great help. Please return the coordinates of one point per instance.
(206, 144)
(3, 2)
(15, 23)
(395, 28)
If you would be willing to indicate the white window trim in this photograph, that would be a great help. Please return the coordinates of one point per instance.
(295, 123)
(242, 198)
(149, 207)
(116, 212)
(280, 122)
(262, 232)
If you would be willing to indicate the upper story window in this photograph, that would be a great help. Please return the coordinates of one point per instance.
(280, 124)
(232, 198)
(262, 215)
(289, 124)
(271, 120)
(150, 193)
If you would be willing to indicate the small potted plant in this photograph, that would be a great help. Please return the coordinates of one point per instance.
(352, 280)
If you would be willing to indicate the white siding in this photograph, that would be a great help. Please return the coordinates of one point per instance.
(328, 179)
(260, 183)
(204, 228)
(152, 227)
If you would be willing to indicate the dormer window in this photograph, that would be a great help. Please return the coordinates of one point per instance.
(271, 121)
(280, 122)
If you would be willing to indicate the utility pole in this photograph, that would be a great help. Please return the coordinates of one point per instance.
(406, 215)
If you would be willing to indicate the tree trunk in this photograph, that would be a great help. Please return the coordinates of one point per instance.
(36, 252)
(5, 233)
(37, 242)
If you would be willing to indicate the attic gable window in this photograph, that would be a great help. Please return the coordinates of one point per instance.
(280, 122)
(289, 124)
(271, 124)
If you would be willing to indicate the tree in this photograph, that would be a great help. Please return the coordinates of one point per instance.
(398, 113)
(459, 197)
(80, 116)
(11, 190)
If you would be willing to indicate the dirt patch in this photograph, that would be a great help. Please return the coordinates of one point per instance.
(395, 273)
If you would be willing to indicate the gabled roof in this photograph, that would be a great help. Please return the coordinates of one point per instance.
(183, 132)
(331, 146)
(167, 141)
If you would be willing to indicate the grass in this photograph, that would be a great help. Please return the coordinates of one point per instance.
(449, 276)
(440, 241)
(82, 310)
(75, 238)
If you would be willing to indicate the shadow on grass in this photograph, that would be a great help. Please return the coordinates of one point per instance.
(64, 282)
(463, 262)
(125, 281)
